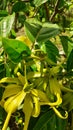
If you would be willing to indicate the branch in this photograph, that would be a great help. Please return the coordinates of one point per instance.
(47, 11)
(55, 10)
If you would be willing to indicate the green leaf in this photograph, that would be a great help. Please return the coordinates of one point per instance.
(43, 120)
(6, 25)
(37, 31)
(15, 49)
(21, 19)
(7, 70)
(60, 123)
(70, 61)
(32, 29)
(49, 121)
(62, 3)
(39, 2)
(3, 13)
(1, 92)
(51, 50)
(67, 44)
(2, 114)
(2, 70)
(19, 6)
(68, 101)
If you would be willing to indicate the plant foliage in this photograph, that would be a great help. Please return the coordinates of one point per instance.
(36, 65)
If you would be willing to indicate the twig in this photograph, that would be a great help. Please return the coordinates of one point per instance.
(55, 10)
(47, 11)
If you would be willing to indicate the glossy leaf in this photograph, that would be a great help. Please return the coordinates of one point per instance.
(70, 61)
(39, 2)
(68, 101)
(51, 50)
(6, 25)
(37, 31)
(49, 121)
(15, 49)
(67, 44)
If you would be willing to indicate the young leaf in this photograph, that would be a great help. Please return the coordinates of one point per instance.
(39, 2)
(37, 31)
(15, 49)
(6, 25)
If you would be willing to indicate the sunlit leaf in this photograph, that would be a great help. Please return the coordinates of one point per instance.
(3, 13)
(6, 25)
(37, 31)
(15, 49)
(39, 2)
